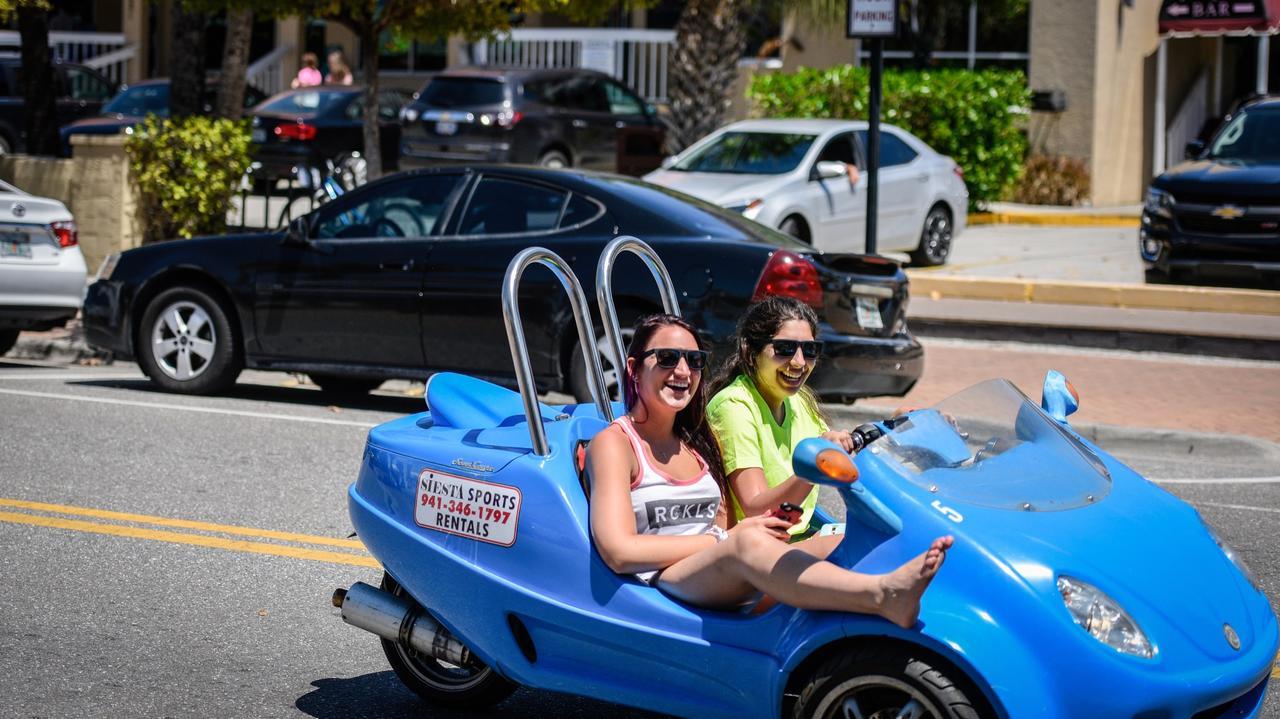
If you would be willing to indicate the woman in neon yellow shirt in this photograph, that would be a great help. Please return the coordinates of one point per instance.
(760, 408)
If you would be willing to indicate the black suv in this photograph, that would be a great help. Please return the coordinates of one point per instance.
(1218, 215)
(80, 91)
(553, 118)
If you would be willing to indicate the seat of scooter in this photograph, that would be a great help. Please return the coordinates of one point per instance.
(457, 400)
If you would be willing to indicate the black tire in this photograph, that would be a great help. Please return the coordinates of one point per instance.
(795, 227)
(8, 338)
(554, 159)
(6, 147)
(579, 387)
(881, 681)
(1157, 277)
(186, 342)
(935, 239)
(345, 385)
(471, 687)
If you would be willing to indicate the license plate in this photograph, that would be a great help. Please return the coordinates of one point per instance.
(12, 245)
(259, 134)
(867, 311)
(446, 128)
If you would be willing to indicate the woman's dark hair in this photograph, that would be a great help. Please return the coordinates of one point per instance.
(691, 422)
(758, 325)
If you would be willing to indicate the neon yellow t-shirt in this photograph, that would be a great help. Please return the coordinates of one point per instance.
(750, 437)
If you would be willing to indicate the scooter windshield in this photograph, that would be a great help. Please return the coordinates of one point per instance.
(989, 445)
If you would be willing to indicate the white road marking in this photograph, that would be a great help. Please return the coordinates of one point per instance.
(186, 408)
(53, 374)
(1224, 480)
(1238, 506)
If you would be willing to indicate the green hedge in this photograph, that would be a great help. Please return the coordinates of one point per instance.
(973, 116)
(187, 171)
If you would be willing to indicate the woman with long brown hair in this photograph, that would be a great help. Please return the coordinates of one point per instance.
(657, 502)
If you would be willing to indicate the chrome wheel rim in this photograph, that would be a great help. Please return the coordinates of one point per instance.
(878, 697)
(554, 162)
(937, 236)
(183, 341)
(611, 379)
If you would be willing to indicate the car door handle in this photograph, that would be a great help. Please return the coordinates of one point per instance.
(403, 266)
(579, 123)
(923, 177)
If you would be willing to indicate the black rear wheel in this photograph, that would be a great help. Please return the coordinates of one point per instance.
(8, 338)
(935, 239)
(473, 686)
(880, 682)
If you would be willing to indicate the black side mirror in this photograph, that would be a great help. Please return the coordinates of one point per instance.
(297, 232)
(1193, 149)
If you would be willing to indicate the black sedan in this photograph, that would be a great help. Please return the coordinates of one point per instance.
(307, 126)
(402, 278)
(1218, 215)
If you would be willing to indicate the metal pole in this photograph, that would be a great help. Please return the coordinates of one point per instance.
(1162, 67)
(873, 144)
(973, 33)
(1264, 47)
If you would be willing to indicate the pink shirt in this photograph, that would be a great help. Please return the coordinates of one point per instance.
(308, 76)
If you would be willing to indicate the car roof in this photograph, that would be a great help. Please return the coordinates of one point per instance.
(500, 73)
(1266, 102)
(811, 125)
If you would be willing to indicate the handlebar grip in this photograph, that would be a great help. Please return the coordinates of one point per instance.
(865, 434)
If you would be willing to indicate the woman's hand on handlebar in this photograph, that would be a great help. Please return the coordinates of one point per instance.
(842, 437)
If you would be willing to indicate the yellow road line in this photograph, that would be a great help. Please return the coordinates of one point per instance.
(199, 540)
(181, 523)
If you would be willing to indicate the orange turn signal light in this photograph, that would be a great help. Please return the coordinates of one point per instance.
(837, 465)
(1072, 389)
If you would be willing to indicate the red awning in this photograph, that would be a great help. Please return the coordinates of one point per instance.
(1219, 17)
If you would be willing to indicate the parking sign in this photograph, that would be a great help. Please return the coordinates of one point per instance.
(872, 18)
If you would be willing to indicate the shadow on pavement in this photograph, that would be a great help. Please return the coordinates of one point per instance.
(382, 695)
(286, 395)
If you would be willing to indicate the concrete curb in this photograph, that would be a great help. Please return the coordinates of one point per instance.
(1103, 294)
(61, 345)
(1052, 219)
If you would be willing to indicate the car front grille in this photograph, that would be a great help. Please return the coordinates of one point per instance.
(1254, 222)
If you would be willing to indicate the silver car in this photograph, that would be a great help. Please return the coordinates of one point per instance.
(42, 272)
(807, 178)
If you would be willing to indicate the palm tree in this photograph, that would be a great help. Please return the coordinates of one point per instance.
(710, 36)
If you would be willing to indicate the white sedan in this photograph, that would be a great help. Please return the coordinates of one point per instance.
(42, 272)
(808, 178)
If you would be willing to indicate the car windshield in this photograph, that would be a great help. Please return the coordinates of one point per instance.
(305, 103)
(140, 100)
(753, 153)
(1252, 135)
(698, 216)
(990, 446)
(462, 92)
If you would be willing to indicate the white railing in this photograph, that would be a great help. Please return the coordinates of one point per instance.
(267, 72)
(1186, 125)
(638, 58)
(85, 48)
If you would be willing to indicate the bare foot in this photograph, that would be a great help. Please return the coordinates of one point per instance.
(903, 586)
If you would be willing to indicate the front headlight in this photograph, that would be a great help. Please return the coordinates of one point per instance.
(408, 113)
(107, 267)
(749, 209)
(1103, 619)
(1158, 200)
(1235, 558)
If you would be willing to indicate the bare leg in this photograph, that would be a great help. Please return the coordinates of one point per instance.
(753, 561)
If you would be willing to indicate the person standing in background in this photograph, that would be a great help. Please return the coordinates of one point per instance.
(339, 72)
(309, 73)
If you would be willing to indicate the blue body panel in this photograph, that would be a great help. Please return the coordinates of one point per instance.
(993, 611)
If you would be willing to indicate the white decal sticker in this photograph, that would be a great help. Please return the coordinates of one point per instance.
(467, 507)
(947, 512)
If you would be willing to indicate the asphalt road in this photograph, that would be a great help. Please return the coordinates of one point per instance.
(191, 603)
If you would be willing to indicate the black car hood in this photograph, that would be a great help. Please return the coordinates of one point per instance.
(1222, 180)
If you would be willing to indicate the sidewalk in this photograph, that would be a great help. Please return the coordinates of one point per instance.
(1010, 213)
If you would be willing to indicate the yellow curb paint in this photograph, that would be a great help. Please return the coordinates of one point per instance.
(199, 540)
(1052, 219)
(180, 523)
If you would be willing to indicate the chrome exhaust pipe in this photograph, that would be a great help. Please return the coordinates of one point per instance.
(400, 620)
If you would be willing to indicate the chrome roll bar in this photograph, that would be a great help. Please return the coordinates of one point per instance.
(520, 350)
(604, 292)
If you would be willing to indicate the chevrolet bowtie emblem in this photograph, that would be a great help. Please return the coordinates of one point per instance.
(1228, 212)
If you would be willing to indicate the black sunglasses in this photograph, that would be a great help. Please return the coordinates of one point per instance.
(787, 348)
(668, 358)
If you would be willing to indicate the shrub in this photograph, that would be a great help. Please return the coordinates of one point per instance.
(1052, 180)
(973, 116)
(187, 170)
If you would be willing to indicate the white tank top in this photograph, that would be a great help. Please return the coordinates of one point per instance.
(666, 505)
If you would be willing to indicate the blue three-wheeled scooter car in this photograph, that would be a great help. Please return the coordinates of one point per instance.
(1075, 588)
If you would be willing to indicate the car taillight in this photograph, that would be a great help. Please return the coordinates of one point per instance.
(509, 119)
(297, 131)
(65, 232)
(790, 275)
(959, 171)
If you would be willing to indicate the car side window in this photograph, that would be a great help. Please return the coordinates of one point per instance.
(578, 92)
(893, 151)
(621, 101)
(412, 207)
(839, 149)
(580, 211)
(85, 86)
(501, 206)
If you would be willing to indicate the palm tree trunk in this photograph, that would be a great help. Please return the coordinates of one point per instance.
(372, 134)
(37, 77)
(710, 38)
(235, 61)
(186, 62)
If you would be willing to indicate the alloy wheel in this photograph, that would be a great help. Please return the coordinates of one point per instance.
(881, 697)
(183, 341)
(611, 380)
(936, 240)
